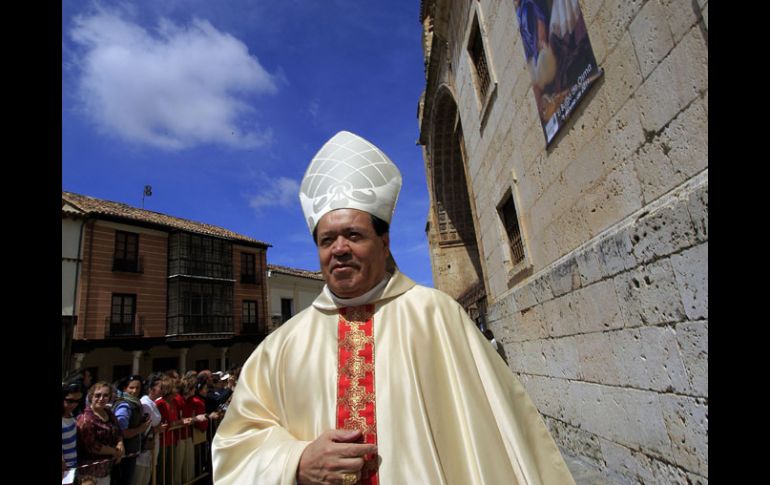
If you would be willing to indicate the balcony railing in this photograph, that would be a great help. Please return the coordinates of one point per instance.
(472, 295)
(250, 327)
(249, 278)
(129, 265)
(113, 329)
(200, 324)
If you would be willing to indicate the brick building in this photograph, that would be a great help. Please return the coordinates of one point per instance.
(154, 292)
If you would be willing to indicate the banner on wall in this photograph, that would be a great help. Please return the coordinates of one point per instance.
(559, 56)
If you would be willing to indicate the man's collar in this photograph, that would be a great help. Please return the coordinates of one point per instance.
(396, 285)
(370, 295)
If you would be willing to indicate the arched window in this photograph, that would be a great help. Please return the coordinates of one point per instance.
(454, 218)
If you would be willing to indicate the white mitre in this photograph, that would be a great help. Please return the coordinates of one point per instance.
(348, 172)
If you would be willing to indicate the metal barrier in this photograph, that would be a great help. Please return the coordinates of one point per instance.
(167, 464)
(195, 466)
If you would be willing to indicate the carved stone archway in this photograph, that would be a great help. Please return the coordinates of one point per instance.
(456, 260)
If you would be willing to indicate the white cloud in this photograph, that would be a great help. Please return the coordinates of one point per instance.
(177, 88)
(314, 108)
(416, 248)
(280, 192)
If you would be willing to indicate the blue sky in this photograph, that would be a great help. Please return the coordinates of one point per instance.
(220, 106)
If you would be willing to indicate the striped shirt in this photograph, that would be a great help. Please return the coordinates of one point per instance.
(69, 442)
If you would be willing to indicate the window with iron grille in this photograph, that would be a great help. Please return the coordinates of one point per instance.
(479, 60)
(196, 306)
(248, 268)
(126, 257)
(199, 255)
(511, 224)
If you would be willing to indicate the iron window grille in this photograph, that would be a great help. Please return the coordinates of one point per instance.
(511, 223)
(479, 60)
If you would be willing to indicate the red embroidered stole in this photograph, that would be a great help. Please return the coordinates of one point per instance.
(355, 380)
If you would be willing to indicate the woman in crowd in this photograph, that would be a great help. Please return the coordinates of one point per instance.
(72, 394)
(99, 438)
(133, 423)
(151, 439)
(84, 378)
(168, 439)
(197, 401)
(184, 467)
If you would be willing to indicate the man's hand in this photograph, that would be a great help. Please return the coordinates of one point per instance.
(332, 455)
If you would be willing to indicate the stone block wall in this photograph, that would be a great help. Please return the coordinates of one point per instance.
(609, 333)
(641, 131)
(611, 342)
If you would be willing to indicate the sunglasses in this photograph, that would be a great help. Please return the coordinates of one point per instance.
(71, 401)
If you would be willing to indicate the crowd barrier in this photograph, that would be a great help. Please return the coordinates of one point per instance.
(176, 462)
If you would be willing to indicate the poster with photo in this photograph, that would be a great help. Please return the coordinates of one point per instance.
(559, 56)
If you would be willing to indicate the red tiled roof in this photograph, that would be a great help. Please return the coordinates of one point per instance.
(93, 206)
(315, 275)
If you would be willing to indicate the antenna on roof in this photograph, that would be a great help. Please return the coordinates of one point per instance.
(147, 192)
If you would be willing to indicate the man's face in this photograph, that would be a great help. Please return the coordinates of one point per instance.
(352, 255)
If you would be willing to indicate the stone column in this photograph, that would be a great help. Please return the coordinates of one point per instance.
(224, 357)
(183, 360)
(137, 358)
(78, 360)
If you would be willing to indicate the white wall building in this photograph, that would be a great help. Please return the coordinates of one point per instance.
(290, 291)
(71, 250)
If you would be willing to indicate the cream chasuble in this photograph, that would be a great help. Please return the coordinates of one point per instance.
(448, 409)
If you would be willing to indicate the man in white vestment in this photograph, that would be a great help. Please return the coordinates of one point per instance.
(381, 380)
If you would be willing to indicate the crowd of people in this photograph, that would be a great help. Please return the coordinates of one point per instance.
(119, 433)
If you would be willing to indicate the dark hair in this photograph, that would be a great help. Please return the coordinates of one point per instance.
(380, 227)
(152, 379)
(70, 387)
(200, 383)
(124, 382)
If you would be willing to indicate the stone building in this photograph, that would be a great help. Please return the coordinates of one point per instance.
(586, 256)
